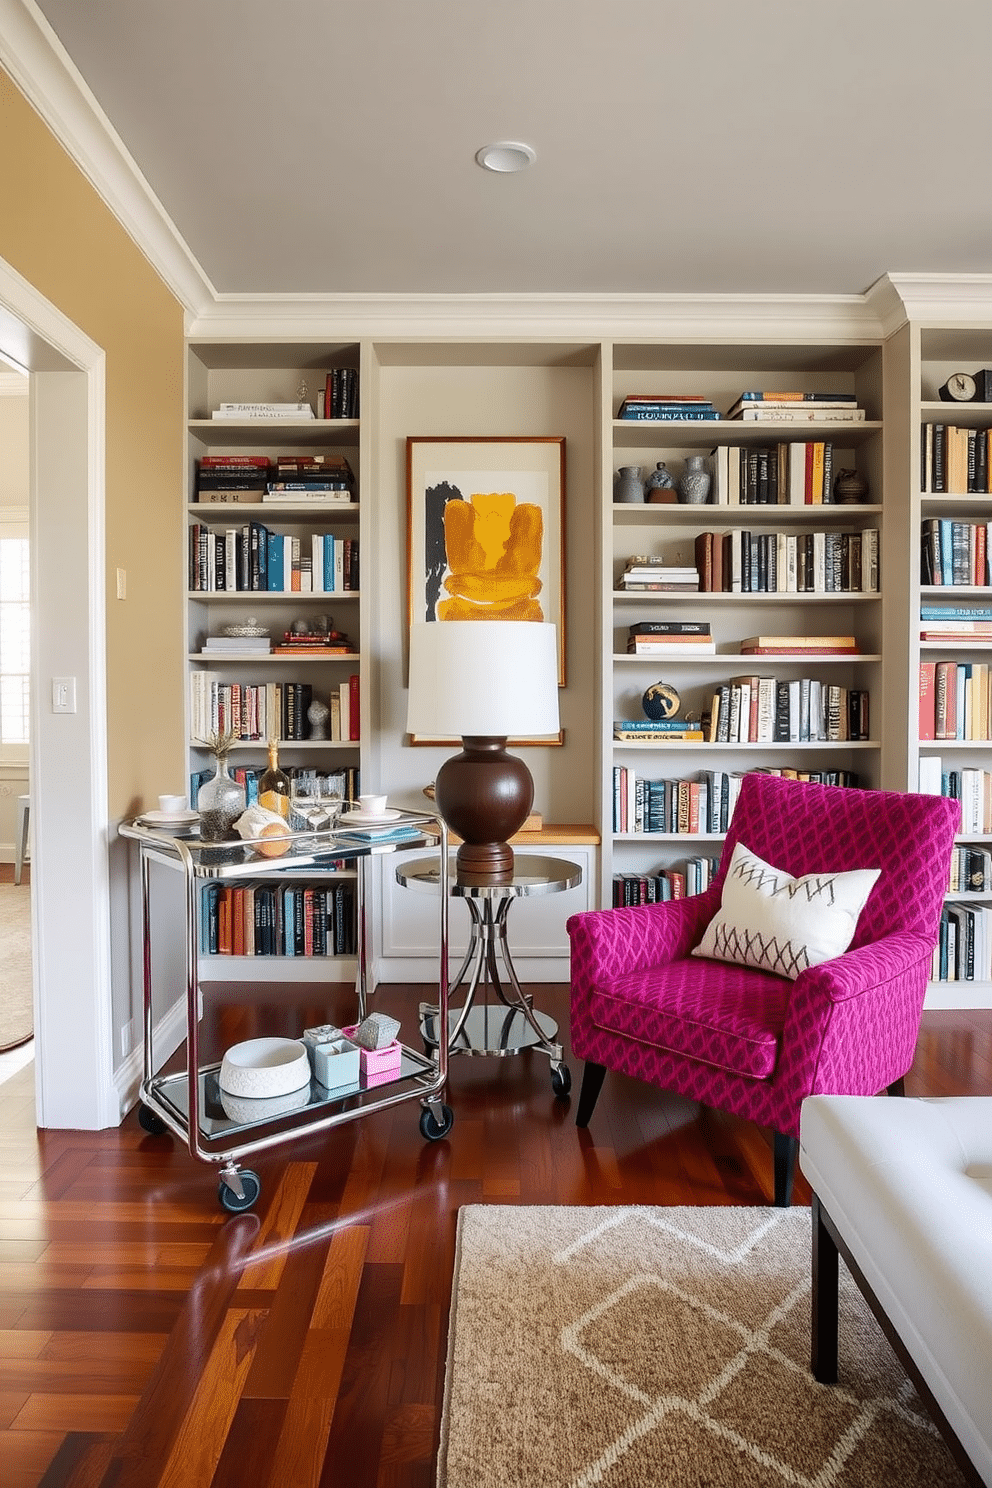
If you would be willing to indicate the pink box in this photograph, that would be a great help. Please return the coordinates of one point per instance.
(377, 1062)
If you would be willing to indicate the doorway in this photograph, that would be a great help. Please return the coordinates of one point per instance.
(68, 753)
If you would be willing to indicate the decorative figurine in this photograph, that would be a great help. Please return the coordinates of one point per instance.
(318, 713)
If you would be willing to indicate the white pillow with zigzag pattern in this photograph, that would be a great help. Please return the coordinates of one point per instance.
(778, 923)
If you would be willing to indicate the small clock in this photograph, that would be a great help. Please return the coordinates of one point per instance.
(960, 387)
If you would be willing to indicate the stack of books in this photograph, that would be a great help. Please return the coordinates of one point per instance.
(647, 574)
(665, 638)
(232, 478)
(314, 643)
(239, 412)
(223, 645)
(799, 645)
(666, 408)
(966, 622)
(326, 479)
(797, 408)
(658, 731)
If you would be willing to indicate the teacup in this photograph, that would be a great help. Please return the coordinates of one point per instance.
(172, 805)
(372, 805)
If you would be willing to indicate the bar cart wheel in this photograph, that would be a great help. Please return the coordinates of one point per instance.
(234, 1203)
(434, 1127)
(561, 1081)
(150, 1122)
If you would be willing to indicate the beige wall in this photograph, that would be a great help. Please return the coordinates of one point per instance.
(57, 233)
(13, 446)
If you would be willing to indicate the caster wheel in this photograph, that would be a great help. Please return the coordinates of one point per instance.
(432, 1130)
(561, 1081)
(149, 1122)
(229, 1200)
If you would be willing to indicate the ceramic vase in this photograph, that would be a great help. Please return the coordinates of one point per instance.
(220, 801)
(694, 482)
(630, 487)
(660, 478)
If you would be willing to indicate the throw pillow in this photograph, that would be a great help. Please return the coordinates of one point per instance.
(770, 920)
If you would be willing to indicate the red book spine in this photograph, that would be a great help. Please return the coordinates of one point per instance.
(928, 718)
(353, 720)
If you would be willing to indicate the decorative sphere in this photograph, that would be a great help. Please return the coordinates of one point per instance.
(661, 701)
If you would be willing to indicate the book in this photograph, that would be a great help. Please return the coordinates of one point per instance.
(662, 646)
(755, 396)
(308, 496)
(812, 413)
(801, 642)
(669, 627)
(651, 725)
(661, 414)
(298, 413)
(642, 736)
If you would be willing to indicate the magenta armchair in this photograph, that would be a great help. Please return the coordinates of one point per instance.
(749, 1041)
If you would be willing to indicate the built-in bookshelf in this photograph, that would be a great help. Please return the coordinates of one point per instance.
(949, 654)
(776, 524)
(288, 565)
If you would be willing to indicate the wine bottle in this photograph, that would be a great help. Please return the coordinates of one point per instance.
(273, 788)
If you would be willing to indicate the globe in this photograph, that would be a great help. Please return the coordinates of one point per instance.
(661, 701)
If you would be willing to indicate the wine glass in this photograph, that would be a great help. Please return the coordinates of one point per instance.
(308, 801)
(334, 796)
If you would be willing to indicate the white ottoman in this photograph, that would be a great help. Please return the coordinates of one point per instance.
(903, 1189)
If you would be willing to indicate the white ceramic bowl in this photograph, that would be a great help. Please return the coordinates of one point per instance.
(245, 1110)
(265, 1067)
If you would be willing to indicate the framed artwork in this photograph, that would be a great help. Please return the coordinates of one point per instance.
(485, 532)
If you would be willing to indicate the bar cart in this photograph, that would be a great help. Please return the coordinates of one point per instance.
(189, 1102)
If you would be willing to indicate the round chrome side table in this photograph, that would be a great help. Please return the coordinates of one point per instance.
(507, 1023)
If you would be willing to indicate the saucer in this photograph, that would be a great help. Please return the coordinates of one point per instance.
(169, 818)
(368, 818)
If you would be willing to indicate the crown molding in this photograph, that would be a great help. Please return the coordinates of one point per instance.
(33, 56)
(944, 298)
(790, 318)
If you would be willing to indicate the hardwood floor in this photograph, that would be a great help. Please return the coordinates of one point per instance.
(149, 1340)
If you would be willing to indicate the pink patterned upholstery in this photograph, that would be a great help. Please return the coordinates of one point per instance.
(748, 1041)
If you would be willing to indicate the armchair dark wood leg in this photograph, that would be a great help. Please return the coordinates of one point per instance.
(785, 1168)
(823, 1336)
(592, 1083)
(898, 1087)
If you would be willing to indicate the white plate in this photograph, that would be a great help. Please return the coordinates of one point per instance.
(369, 818)
(169, 818)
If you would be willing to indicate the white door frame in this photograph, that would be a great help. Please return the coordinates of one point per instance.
(74, 1085)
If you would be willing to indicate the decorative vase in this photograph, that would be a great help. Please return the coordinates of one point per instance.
(220, 801)
(850, 487)
(660, 478)
(630, 487)
(694, 482)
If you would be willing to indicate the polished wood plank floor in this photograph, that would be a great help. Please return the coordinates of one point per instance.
(150, 1340)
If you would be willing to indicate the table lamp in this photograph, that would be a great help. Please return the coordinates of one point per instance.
(485, 680)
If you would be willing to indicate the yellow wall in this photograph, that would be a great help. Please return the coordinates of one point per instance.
(58, 234)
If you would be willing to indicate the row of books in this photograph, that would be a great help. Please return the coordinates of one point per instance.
(955, 700)
(789, 473)
(341, 393)
(265, 710)
(693, 877)
(264, 919)
(955, 552)
(664, 639)
(248, 777)
(253, 558)
(239, 412)
(955, 461)
(971, 871)
(964, 948)
(969, 785)
(771, 710)
(700, 803)
(703, 803)
(788, 562)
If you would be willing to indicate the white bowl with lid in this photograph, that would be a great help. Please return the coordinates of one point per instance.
(264, 1067)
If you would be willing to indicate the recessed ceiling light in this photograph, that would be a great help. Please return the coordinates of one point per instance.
(505, 155)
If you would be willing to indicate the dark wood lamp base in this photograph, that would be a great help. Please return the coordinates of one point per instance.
(484, 795)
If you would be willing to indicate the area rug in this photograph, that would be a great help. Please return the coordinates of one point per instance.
(16, 1000)
(664, 1348)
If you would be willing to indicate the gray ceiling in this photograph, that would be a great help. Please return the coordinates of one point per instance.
(317, 146)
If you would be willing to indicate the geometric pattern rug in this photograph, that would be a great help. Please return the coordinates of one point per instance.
(659, 1347)
(16, 994)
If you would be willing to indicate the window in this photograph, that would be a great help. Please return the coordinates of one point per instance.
(15, 640)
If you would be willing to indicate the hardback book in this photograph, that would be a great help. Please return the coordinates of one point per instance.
(662, 646)
(813, 413)
(651, 725)
(661, 414)
(669, 627)
(645, 736)
(757, 396)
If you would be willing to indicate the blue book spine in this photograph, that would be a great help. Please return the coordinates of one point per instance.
(288, 923)
(955, 612)
(329, 541)
(664, 416)
(274, 557)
